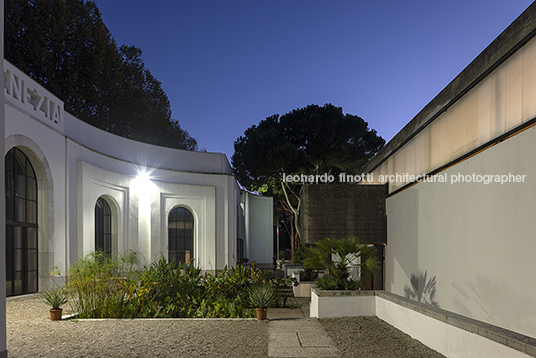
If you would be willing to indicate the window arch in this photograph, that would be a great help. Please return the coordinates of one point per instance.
(180, 236)
(21, 224)
(103, 226)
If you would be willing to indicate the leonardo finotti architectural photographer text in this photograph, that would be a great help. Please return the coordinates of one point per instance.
(405, 178)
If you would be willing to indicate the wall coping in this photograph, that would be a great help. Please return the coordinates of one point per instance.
(331, 293)
(514, 340)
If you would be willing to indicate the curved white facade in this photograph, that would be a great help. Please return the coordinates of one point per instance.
(76, 163)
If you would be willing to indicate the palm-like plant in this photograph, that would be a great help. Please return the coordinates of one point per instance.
(339, 257)
(262, 296)
(55, 297)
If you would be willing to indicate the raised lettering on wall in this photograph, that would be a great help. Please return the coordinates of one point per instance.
(26, 94)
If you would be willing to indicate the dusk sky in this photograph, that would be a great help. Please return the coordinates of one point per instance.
(226, 65)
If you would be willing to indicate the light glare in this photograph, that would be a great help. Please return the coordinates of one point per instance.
(144, 175)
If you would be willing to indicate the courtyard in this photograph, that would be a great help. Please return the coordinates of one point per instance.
(286, 333)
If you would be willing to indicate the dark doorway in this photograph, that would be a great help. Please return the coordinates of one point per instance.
(21, 224)
(180, 236)
(103, 227)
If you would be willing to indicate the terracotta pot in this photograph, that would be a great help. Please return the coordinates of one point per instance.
(55, 315)
(261, 313)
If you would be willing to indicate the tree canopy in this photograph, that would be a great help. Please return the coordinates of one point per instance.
(313, 140)
(65, 46)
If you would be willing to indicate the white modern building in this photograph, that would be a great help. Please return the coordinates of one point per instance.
(72, 189)
(470, 227)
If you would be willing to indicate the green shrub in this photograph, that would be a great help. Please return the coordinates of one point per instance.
(104, 287)
(283, 288)
(168, 290)
(55, 297)
(100, 285)
(326, 283)
(338, 257)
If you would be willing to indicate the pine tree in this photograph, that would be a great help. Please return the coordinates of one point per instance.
(65, 46)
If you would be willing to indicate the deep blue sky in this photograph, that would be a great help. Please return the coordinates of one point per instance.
(226, 65)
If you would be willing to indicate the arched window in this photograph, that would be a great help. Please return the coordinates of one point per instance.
(21, 224)
(103, 227)
(180, 236)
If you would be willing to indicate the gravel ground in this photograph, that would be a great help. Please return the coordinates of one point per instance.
(30, 333)
(370, 337)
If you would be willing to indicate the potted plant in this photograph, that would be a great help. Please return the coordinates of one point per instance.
(262, 297)
(55, 297)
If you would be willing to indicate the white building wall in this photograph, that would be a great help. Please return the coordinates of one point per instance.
(477, 240)
(76, 164)
(259, 228)
(46, 150)
(144, 206)
(473, 241)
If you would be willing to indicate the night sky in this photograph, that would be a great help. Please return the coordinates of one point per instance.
(226, 65)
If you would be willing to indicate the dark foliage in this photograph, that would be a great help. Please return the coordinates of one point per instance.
(65, 46)
(313, 141)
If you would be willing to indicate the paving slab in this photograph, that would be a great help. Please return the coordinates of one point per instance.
(302, 352)
(292, 333)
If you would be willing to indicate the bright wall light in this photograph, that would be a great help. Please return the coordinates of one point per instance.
(144, 175)
(145, 190)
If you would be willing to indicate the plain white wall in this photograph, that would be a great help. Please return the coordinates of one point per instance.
(440, 336)
(477, 240)
(259, 215)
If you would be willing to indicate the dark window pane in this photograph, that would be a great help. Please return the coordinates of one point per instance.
(18, 284)
(32, 238)
(32, 212)
(17, 260)
(32, 189)
(107, 227)
(180, 235)
(32, 260)
(103, 226)
(17, 237)
(20, 186)
(20, 210)
(32, 281)
(9, 253)
(21, 231)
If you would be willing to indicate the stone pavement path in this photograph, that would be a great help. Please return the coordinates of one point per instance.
(301, 337)
(293, 334)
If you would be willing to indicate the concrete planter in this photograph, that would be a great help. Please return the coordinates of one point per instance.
(304, 289)
(326, 304)
(290, 269)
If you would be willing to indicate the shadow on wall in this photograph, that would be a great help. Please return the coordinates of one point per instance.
(496, 303)
(421, 289)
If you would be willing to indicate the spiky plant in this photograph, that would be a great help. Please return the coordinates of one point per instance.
(338, 257)
(262, 296)
(55, 297)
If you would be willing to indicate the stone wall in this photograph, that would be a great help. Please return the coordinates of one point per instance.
(343, 210)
